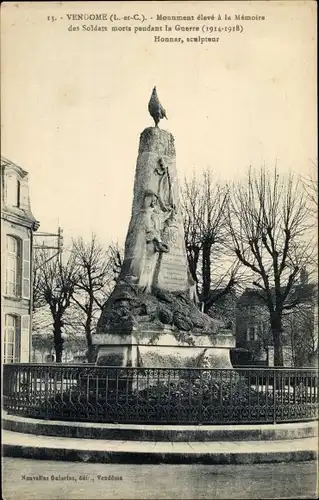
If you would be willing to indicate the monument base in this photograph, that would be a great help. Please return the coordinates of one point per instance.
(165, 349)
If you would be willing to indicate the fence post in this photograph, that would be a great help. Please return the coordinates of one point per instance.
(274, 397)
(46, 393)
(7, 388)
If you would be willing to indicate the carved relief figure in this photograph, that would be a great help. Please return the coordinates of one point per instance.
(152, 224)
(165, 191)
(148, 235)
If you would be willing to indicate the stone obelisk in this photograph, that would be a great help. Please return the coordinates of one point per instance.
(154, 299)
(156, 213)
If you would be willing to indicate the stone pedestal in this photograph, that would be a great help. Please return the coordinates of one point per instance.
(165, 349)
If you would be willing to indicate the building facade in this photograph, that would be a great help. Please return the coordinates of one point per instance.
(17, 228)
(253, 327)
(300, 327)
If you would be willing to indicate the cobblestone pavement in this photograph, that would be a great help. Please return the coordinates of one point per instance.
(79, 481)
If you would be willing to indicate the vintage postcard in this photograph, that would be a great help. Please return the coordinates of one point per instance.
(159, 285)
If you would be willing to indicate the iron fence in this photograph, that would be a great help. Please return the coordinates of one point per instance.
(160, 395)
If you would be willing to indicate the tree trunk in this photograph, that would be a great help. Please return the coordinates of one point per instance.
(276, 328)
(58, 346)
(206, 273)
(91, 353)
(58, 340)
(88, 334)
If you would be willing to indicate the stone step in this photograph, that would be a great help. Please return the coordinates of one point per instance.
(172, 433)
(16, 444)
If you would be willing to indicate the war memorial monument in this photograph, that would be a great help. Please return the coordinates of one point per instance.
(152, 317)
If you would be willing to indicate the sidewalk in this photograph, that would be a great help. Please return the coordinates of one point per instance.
(99, 450)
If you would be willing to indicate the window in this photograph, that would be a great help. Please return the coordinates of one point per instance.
(13, 191)
(18, 193)
(12, 339)
(251, 333)
(13, 267)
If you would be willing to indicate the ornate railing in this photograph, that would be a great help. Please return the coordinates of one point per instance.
(160, 395)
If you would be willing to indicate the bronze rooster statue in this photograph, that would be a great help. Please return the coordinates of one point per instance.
(155, 108)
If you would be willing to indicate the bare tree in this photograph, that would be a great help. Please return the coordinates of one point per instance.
(310, 185)
(204, 215)
(73, 330)
(54, 282)
(115, 253)
(191, 196)
(301, 327)
(268, 222)
(96, 273)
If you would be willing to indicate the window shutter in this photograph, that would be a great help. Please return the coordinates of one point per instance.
(17, 352)
(26, 270)
(11, 190)
(24, 341)
(248, 334)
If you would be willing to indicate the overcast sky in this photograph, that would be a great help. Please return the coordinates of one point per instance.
(74, 104)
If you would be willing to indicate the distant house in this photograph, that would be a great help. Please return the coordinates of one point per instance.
(252, 326)
(17, 228)
(300, 327)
